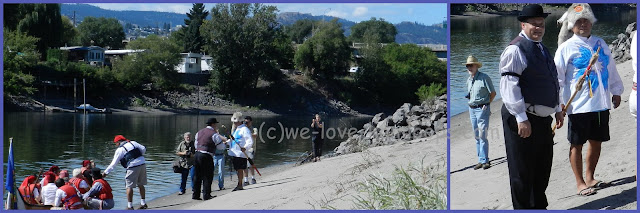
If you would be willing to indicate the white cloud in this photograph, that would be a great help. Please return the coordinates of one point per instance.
(336, 13)
(360, 11)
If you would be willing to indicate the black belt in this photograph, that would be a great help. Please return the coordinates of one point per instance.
(478, 106)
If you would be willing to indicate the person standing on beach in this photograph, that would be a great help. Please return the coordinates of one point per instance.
(633, 97)
(242, 141)
(480, 92)
(529, 88)
(589, 111)
(185, 151)
(248, 121)
(317, 138)
(206, 141)
(130, 155)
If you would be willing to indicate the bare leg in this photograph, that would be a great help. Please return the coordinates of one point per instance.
(240, 175)
(593, 155)
(575, 156)
(142, 191)
(130, 194)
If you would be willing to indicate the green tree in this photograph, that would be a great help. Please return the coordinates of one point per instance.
(69, 33)
(19, 56)
(240, 38)
(414, 66)
(300, 30)
(102, 32)
(373, 31)
(326, 54)
(193, 41)
(42, 21)
(156, 65)
(375, 76)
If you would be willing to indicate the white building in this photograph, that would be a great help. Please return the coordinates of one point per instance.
(195, 63)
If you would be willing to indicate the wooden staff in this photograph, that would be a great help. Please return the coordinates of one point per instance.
(592, 61)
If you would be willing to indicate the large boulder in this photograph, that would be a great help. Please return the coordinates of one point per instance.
(399, 118)
(377, 118)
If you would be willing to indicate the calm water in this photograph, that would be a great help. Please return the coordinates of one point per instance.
(486, 38)
(41, 140)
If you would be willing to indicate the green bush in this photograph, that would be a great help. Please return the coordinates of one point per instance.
(429, 93)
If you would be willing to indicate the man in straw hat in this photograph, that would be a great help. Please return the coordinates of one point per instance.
(130, 155)
(206, 141)
(588, 112)
(529, 89)
(480, 92)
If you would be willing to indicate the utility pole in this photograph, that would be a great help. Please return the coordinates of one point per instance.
(84, 90)
(74, 18)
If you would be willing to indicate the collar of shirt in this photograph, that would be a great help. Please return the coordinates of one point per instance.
(527, 37)
(585, 39)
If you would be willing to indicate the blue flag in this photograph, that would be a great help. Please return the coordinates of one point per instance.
(10, 181)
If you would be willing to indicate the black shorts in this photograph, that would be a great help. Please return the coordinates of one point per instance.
(239, 163)
(588, 126)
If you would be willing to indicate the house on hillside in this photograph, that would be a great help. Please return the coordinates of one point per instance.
(93, 55)
(195, 63)
(111, 55)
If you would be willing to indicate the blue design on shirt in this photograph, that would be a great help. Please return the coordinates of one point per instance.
(582, 62)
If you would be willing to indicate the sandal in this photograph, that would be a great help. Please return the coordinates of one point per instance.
(600, 185)
(587, 192)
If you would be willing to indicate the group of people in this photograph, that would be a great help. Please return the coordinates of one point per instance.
(534, 85)
(202, 156)
(86, 189)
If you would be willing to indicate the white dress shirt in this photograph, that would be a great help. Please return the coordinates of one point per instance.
(513, 60)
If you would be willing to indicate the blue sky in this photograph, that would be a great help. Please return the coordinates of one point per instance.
(425, 13)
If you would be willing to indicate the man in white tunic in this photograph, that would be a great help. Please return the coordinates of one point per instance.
(589, 111)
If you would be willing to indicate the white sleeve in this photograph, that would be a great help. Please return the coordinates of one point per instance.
(248, 139)
(59, 196)
(142, 148)
(116, 157)
(615, 82)
(513, 61)
(195, 142)
(561, 68)
(36, 193)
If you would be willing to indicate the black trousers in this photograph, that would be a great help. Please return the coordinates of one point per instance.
(203, 175)
(529, 160)
(316, 145)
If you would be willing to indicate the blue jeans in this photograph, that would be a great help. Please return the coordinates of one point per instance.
(183, 180)
(192, 173)
(218, 160)
(480, 124)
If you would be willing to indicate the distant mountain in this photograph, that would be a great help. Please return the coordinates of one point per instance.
(408, 32)
(140, 18)
(288, 18)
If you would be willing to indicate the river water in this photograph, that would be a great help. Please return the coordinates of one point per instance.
(486, 38)
(65, 139)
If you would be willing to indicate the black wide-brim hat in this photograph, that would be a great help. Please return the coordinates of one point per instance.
(530, 11)
(212, 121)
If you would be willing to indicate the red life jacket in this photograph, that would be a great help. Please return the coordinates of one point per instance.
(105, 192)
(72, 198)
(27, 193)
(76, 182)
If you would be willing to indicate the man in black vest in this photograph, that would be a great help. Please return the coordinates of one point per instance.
(206, 141)
(529, 88)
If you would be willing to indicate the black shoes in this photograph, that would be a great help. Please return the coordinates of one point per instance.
(143, 207)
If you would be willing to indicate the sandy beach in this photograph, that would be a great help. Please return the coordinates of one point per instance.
(330, 183)
(489, 189)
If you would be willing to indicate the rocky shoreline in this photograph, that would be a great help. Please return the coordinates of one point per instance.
(621, 47)
(407, 123)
